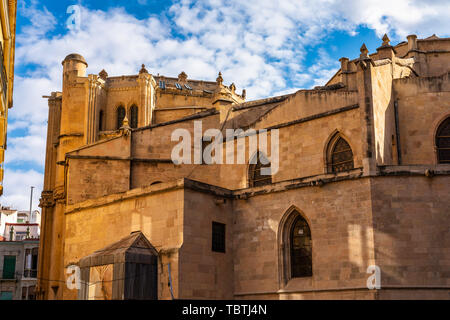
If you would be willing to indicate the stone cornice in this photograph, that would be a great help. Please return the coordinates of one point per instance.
(316, 181)
(123, 88)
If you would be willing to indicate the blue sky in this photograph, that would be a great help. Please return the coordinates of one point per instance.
(267, 47)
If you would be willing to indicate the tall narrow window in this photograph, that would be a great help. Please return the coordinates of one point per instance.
(218, 237)
(100, 120)
(205, 144)
(257, 177)
(34, 262)
(443, 142)
(134, 116)
(340, 155)
(120, 116)
(301, 253)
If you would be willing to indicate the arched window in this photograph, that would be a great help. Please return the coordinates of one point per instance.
(120, 116)
(100, 120)
(443, 142)
(205, 143)
(134, 116)
(295, 246)
(340, 155)
(300, 249)
(256, 175)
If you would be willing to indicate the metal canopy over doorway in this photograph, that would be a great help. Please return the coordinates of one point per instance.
(125, 270)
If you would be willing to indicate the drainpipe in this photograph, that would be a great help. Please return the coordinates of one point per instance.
(397, 133)
(170, 281)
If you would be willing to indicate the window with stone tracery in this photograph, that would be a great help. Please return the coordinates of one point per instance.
(120, 116)
(300, 249)
(257, 176)
(340, 155)
(134, 116)
(443, 142)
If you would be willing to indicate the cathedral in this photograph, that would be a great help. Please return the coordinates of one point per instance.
(357, 206)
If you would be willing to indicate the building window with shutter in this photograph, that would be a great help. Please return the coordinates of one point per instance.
(9, 267)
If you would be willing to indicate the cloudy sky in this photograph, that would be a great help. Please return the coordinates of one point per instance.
(267, 47)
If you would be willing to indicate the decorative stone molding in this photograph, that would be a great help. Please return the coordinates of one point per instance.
(143, 69)
(386, 40)
(124, 88)
(182, 77)
(59, 194)
(125, 129)
(46, 200)
(103, 74)
(219, 79)
(364, 52)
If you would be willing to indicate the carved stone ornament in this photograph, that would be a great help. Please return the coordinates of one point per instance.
(143, 69)
(219, 79)
(103, 74)
(59, 194)
(46, 200)
(182, 77)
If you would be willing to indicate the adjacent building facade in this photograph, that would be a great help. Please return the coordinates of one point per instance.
(360, 185)
(8, 10)
(19, 246)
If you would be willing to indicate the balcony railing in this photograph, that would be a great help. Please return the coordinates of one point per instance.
(30, 273)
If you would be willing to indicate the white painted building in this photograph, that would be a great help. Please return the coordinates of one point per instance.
(7, 215)
(19, 246)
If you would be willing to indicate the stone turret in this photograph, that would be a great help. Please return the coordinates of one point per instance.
(74, 64)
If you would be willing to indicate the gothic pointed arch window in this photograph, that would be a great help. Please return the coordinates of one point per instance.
(295, 243)
(257, 171)
(340, 155)
(443, 142)
(134, 116)
(300, 248)
(120, 116)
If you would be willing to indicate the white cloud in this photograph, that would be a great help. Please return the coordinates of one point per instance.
(41, 20)
(17, 189)
(260, 45)
(30, 148)
(323, 69)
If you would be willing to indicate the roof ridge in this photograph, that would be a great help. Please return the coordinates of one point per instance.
(259, 102)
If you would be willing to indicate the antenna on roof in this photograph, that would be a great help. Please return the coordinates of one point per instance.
(31, 203)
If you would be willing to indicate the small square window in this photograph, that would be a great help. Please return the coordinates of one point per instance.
(218, 237)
